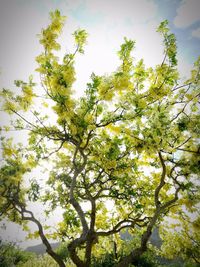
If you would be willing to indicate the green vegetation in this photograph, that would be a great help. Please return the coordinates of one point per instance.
(11, 255)
(131, 141)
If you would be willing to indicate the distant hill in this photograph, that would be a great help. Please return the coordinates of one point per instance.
(41, 249)
(154, 239)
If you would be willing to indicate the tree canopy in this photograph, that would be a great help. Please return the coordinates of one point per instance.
(131, 141)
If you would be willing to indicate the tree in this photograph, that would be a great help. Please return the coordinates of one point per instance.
(131, 140)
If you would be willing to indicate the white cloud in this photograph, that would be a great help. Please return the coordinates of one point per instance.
(118, 11)
(187, 13)
(196, 33)
(184, 67)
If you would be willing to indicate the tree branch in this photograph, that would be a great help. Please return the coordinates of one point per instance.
(162, 180)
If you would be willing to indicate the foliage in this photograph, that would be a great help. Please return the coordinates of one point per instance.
(148, 260)
(39, 261)
(10, 255)
(63, 251)
(131, 141)
(108, 260)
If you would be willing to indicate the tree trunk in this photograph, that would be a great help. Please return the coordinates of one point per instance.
(134, 256)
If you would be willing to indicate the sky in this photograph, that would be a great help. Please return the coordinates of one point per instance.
(107, 23)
